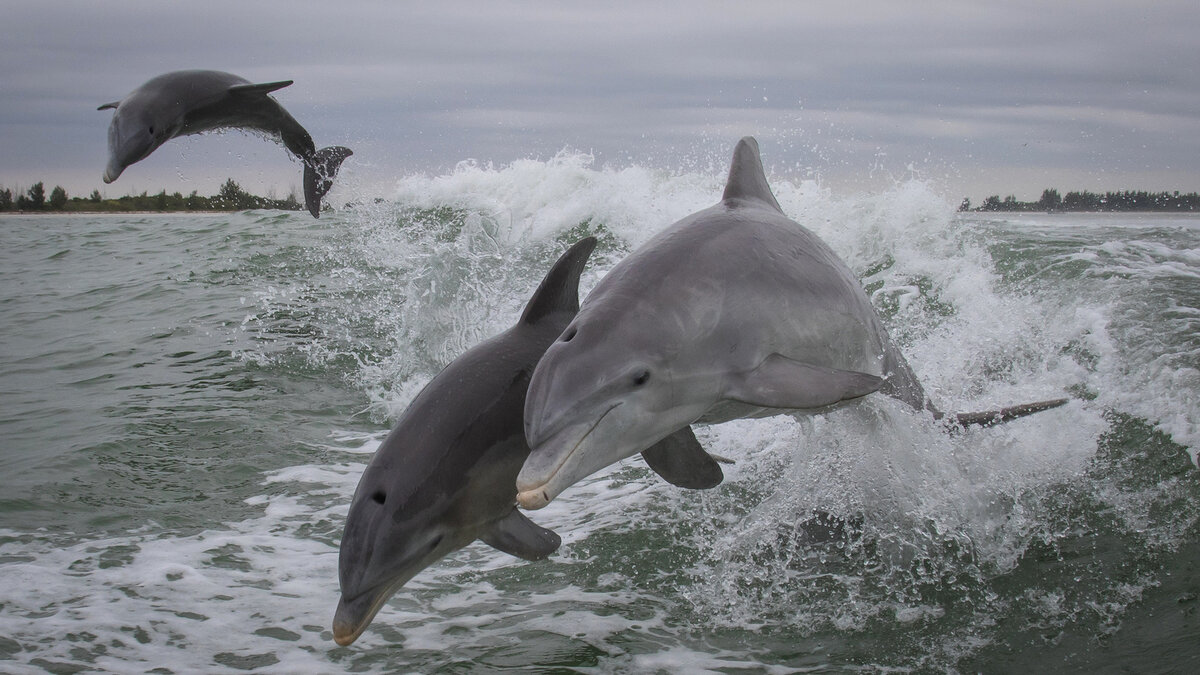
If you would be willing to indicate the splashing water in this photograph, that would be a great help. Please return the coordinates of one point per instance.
(184, 449)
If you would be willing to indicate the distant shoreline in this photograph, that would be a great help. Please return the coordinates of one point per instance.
(1125, 201)
(141, 211)
(48, 212)
(971, 212)
(230, 198)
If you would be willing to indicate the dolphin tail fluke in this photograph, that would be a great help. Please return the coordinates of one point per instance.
(319, 173)
(992, 417)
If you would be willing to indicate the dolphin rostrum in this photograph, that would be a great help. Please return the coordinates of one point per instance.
(445, 476)
(187, 102)
(735, 311)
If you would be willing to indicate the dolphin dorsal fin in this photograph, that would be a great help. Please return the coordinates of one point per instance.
(559, 291)
(746, 177)
(261, 89)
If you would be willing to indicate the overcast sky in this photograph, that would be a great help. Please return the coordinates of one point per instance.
(977, 97)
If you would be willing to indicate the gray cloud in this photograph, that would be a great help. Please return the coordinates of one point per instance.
(986, 97)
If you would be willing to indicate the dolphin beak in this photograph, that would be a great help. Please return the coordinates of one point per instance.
(535, 498)
(112, 172)
(353, 616)
(566, 457)
(543, 462)
(348, 621)
(543, 476)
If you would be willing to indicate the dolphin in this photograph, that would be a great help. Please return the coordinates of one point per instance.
(187, 102)
(445, 475)
(735, 311)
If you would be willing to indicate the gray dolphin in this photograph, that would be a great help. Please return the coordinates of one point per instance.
(187, 102)
(735, 311)
(445, 476)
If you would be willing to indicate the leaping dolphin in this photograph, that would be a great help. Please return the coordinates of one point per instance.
(445, 475)
(735, 311)
(187, 102)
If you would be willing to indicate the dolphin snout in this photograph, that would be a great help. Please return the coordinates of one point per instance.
(351, 620)
(567, 455)
(532, 500)
(112, 172)
(536, 470)
(533, 489)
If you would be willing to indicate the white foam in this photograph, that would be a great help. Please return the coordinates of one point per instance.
(402, 295)
(535, 200)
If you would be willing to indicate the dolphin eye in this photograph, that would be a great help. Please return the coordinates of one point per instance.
(151, 131)
(379, 497)
(641, 378)
(569, 335)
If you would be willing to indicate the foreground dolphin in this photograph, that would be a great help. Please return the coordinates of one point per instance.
(445, 475)
(194, 101)
(735, 311)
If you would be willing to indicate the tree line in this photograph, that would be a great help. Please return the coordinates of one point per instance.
(231, 197)
(1127, 200)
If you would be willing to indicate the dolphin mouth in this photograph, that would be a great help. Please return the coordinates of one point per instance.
(113, 171)
(533, 496)
(354, 615)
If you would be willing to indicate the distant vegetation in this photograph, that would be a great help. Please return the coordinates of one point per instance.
(1090, 201)
(231, 197)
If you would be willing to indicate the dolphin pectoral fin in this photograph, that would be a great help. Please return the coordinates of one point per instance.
(680, 460)
(991, 417)
(780, 382)
(260, 89)
(319, 172)
(109, 106)
(517, 535)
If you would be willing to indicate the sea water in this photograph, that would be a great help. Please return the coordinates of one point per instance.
(187, 402)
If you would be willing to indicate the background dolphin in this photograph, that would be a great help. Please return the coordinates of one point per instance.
(445, 475)
(734, 311)
(187, 102)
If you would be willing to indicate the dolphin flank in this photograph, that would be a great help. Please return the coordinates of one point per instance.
(735, 311)
(187, 102)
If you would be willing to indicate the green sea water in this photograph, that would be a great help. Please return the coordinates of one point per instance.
(187, 401)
